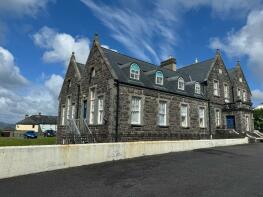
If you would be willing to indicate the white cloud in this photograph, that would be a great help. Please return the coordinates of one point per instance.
(59, 46)
(19, 96)
(10, 75)
(247, 41)
(257, 96)
(35, 99)
(149, 29)
(22, 7)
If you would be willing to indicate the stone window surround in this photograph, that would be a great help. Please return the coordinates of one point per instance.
(62, 113)
(142, 97)
(220, 117)
(188, 116)
(216, 80)
(167, 112)
(103, 98)
(205, 116)
(95, 106)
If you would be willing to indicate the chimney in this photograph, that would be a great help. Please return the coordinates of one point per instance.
(26, 116)
(39, 113)
(170, 63)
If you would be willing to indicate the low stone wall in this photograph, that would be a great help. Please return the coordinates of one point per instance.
(23, 160)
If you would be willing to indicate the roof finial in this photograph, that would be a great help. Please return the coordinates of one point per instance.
(217, 51)
(96, 37)
(196, 60)
(72, 58)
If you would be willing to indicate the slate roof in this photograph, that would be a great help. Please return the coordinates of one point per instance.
(38, 119)
(80, 67)
(193, 73)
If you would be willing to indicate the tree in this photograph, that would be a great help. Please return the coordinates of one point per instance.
(258, 119)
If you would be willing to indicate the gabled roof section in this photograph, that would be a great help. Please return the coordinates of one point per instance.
(38, 119)
(80, 67)
(198, 71)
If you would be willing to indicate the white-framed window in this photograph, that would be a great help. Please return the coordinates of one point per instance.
(244, 95)
(92, 105)
(218, 117)
(216, 88)
(197, 88)
(159, 78)
(100, 109)
(181, 83)
(226, 91)
(220, 71)
(135, 71)
(63, 115)
(68, 108)
(136, 110)
(247, 123)
(73, 111)
(239, 93)
(202, 117)
(162, 113)
(184, 115)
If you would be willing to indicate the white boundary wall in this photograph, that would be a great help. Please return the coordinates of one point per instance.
(23, 160)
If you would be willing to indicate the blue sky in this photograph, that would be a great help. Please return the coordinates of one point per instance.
(36, 41)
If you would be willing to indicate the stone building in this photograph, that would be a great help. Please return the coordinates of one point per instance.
(114, 97)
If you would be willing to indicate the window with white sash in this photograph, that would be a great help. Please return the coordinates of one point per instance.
(100, 110)
(197, 88)
(92, 105)
(162, 113)
(159, 78)
(247, 123)
(68, 108)
(202, 117)
(218, 117)
(63, 115)
(181, 83)
(136, 110)
(216, 88)
(244, 95)
(184, 115)
(73, 111)
(135, 71)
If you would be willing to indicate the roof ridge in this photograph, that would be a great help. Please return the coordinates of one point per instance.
(130, 56)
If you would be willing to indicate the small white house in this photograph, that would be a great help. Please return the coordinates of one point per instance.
(37, 123)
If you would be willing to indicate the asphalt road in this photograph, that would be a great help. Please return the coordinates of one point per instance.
(226, 171)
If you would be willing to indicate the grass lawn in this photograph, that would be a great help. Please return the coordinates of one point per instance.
(10, 141)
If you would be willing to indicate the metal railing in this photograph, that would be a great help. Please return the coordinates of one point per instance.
(78, 132)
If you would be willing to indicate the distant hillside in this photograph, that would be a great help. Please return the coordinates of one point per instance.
(6, 125)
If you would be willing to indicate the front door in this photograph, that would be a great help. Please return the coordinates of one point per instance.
(230, 122)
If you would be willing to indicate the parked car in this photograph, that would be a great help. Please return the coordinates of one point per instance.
(30, 135)
(49, 133)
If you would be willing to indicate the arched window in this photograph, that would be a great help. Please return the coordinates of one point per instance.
(159, 77)
(181, 83)
(135, 71)
(197, 88)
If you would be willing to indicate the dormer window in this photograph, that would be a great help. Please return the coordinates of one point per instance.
(135, 71)
(181, 83)
(197, 88)
(159, 78)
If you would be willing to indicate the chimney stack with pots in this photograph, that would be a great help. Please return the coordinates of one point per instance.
(170, 63)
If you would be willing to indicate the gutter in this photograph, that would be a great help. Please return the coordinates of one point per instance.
(117, 112)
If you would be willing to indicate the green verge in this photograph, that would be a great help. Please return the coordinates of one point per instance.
(6, 141)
